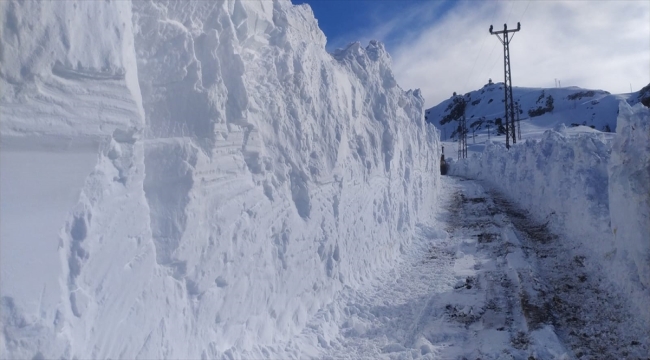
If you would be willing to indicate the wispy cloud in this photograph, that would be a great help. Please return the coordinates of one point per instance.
(591, 44)
(392, 23)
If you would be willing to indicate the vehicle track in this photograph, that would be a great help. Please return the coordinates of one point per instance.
(590, 316)
(495, 284)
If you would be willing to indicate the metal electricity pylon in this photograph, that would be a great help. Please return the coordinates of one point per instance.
(518, 106)
(507, 83)
(462, 137)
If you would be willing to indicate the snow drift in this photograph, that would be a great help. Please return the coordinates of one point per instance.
(596, 195)
(226, 177)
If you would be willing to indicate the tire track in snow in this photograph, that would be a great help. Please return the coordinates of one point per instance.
(457, 293)
(492, 311)
(591, 317)
(493, 285)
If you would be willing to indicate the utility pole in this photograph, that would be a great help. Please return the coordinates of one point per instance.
(518, 121)
(507, 83)
(464, 130)
(462, 136)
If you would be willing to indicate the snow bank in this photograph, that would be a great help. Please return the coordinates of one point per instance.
(229, 176)
(629, 199)
(571, 184)
(560, 179)
(71, 172)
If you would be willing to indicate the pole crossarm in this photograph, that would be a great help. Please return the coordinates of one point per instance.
(507, 83)
(505, 29)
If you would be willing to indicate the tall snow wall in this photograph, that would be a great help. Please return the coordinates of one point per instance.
(227, 176)
(592, 192)
(629, 201)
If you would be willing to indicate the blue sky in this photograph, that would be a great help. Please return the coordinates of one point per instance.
(442, 46)
(344, 21)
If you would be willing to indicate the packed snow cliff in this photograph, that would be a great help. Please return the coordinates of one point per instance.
(194, 179)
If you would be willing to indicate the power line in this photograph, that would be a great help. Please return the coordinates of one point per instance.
(487, 60)
(469, 75)
(496, 61)
(524, 13)
(512, 5)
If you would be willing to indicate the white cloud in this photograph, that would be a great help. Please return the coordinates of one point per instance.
(388, 23)
(591, 44)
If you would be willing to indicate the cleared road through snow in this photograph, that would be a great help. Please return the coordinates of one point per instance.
(493, 285)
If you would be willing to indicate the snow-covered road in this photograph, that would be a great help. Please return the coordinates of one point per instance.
(492, 285)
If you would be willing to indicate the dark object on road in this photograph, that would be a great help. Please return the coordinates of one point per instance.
(443, 164)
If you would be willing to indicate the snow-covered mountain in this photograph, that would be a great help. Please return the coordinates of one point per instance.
(539, 109)
(194, 179)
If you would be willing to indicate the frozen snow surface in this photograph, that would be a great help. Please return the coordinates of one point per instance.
(204, 176)
(592, 190)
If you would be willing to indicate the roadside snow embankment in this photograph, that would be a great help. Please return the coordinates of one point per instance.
(575, 186)
(229, 176)
(71, 172)
(629, 199)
